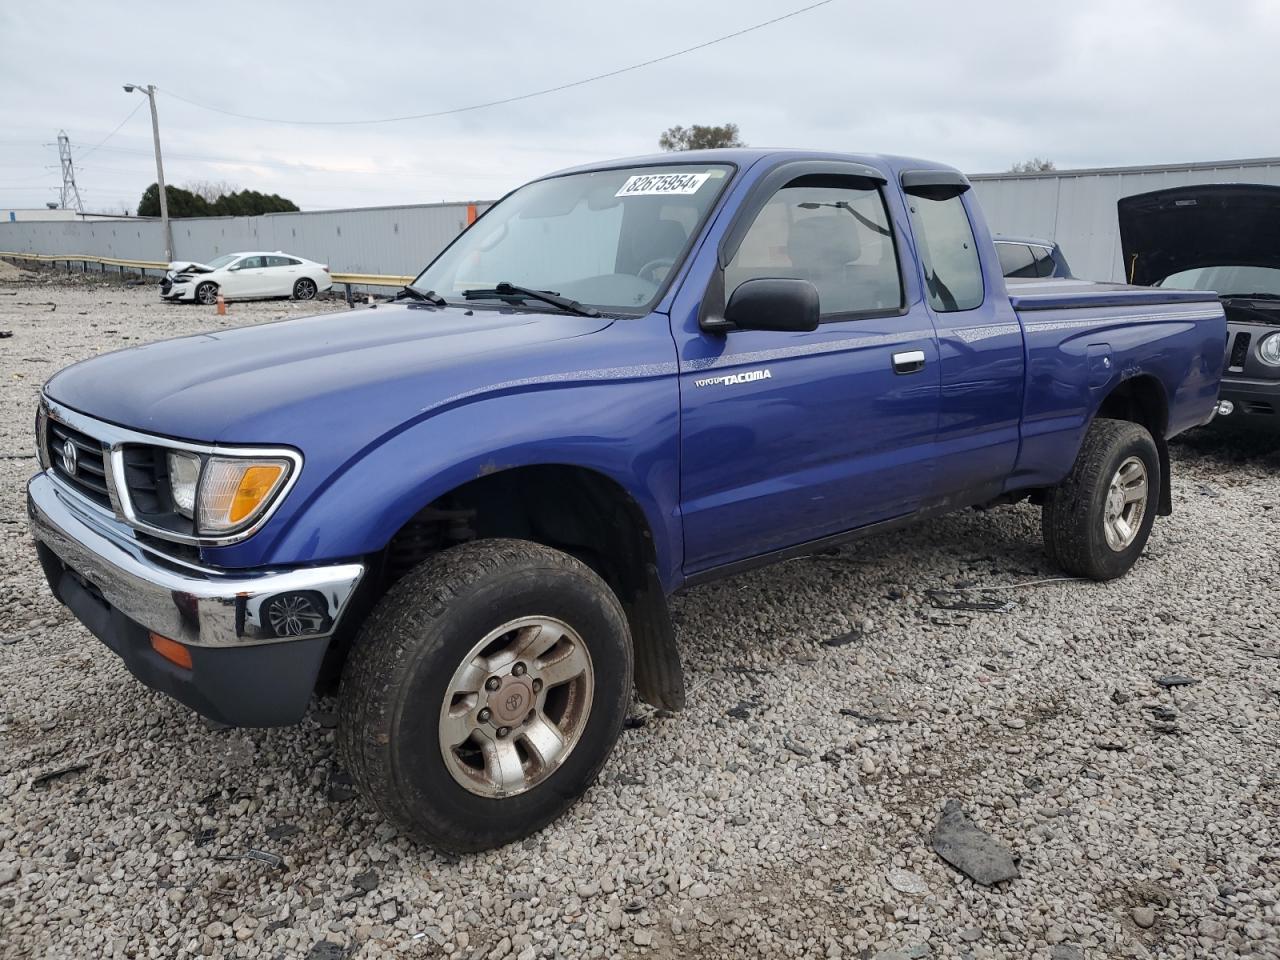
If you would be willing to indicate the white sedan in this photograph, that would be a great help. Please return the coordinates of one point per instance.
(244, 276)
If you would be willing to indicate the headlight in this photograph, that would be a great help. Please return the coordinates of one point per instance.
(234, 491)
(184, 475)
(1269, 349)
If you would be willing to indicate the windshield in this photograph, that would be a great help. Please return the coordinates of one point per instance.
(221, 261)
(1227, 281)
(607, 238)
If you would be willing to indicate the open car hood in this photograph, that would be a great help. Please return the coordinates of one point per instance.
(188, 266)
(1215, 225)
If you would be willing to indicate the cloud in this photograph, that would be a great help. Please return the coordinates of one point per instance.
(978, 85)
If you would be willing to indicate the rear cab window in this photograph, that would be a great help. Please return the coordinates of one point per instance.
(948, 253)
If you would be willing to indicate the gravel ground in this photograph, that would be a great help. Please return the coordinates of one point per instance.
(834, 708)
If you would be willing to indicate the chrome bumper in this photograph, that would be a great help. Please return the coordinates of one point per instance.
(197, 606)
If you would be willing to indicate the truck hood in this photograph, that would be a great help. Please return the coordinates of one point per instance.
(1220, 224)
(253, 384)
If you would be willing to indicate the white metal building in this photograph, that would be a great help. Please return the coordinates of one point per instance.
(1078, 207)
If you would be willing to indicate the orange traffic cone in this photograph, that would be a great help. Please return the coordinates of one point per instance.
(222, 306)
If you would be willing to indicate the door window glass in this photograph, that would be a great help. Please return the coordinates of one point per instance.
(831, 232)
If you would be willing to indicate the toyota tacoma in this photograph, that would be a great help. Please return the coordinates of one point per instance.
(470, 505)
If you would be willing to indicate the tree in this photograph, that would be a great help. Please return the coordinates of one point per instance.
(185, 203)
(1034, 165)
(698, 137)
(182, 203)
(210, 190)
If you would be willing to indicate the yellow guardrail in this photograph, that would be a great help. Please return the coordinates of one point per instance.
(353, 279)
(371, 279)
(82, 258)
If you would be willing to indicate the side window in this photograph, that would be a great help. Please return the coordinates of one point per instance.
(948, 253)
(1044, 265)
(1016, 259)
(251, 263)
(830, 231)
(279, 261)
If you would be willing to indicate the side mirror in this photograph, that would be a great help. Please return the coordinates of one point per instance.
(775, 303)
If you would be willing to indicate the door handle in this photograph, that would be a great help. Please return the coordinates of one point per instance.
(909, 361)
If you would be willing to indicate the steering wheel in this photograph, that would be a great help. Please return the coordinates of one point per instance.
(653, 265)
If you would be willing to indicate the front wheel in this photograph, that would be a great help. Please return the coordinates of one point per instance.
(207, 293)
(1097, 521)
(304, 289)
(485, 692)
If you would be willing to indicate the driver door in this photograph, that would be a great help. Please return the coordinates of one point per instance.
(245, 278)
(790, 437)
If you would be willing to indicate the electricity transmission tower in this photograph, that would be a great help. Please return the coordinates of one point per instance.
(70, 192)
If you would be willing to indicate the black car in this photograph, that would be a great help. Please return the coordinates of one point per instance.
(1023, 257)
(1223, 237)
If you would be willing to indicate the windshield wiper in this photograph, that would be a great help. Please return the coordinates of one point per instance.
(1251, 296)
(426, 296)
(509, 291)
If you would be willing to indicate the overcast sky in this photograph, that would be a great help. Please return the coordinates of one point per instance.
(979, 85)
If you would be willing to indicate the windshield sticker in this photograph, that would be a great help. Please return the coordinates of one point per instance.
(653, 184)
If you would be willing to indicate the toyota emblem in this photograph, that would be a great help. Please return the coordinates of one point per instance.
(513, 702)
(70, 458)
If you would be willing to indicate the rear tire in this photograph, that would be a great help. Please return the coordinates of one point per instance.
(304, 289)
(411, 685)
(1097, 521)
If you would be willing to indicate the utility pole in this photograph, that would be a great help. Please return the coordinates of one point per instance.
(150, 92)
(70, 192)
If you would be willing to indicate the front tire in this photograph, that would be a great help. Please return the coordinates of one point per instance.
(304, 289)
(485, 692)
(1097, 521)
(207, 293)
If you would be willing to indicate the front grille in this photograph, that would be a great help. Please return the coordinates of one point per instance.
(1239, 351)
(165, 286)
(78, 459)
(146, 477)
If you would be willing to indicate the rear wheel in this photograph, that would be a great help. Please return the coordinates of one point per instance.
(304, 289)
(1097, 521)
(485, 692)
(207, 293)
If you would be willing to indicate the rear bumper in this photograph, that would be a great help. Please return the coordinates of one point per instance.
(242, 671)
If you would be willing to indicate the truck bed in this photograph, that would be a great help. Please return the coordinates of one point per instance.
(1065, 294)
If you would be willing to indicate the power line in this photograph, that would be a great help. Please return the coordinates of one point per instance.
(513, 99)
(113, 132)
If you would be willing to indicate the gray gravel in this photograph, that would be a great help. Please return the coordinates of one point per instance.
(786, 813)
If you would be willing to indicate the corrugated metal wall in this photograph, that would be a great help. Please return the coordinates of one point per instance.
(1075, 207)
(385, 240)
(1078, 207)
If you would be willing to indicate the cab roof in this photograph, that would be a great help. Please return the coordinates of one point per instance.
(745, 157)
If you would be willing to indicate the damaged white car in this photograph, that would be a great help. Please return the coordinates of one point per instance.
(245, 276)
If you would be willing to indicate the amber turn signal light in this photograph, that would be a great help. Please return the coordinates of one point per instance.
(171, 650)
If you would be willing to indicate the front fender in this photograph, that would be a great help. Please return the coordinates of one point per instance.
(623, 427)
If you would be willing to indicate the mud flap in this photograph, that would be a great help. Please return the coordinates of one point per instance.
(659, 677)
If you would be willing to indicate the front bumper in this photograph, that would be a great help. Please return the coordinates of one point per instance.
(1257, 401)
(242, 671)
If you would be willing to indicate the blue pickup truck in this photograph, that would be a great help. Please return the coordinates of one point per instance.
(468, 506)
